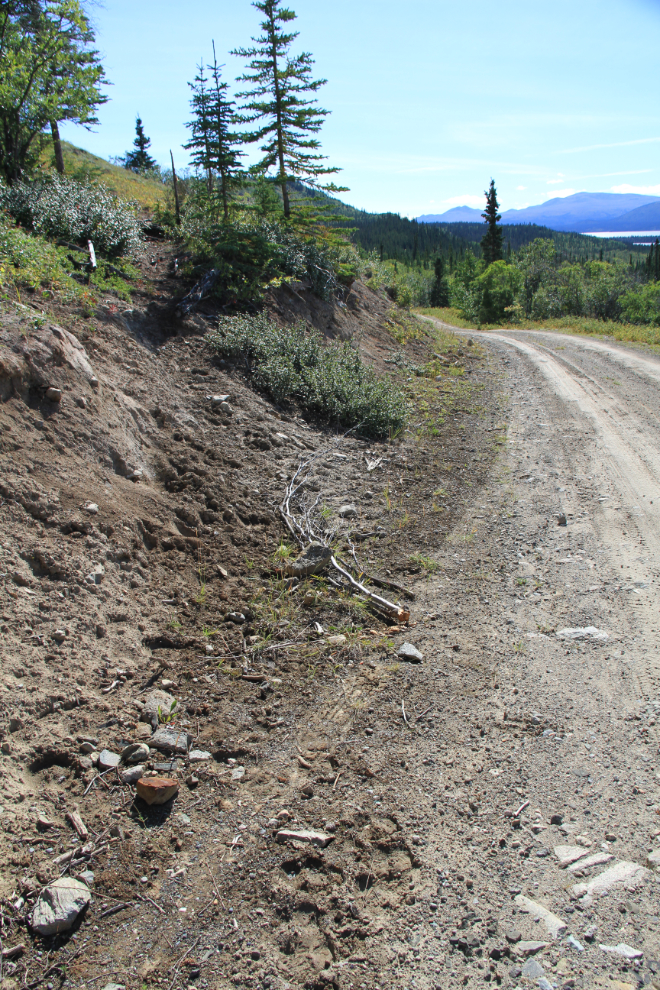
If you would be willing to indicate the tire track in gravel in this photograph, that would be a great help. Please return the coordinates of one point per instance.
(625, 452)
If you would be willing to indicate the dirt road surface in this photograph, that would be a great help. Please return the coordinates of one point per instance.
(487, 816)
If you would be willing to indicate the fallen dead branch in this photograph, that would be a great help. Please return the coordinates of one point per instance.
(307, 527)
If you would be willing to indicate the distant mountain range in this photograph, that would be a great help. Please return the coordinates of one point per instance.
(581, 213)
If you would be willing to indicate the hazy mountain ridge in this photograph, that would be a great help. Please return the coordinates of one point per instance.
(582, 212)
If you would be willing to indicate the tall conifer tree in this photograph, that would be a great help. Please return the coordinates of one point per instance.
(280, 87)
(491, 242)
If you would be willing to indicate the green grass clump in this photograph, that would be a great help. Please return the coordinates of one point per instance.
(329, 382)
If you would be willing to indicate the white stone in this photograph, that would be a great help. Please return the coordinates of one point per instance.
(321, 839)
(569, 854)
(198, 756)
(629, 875)
(59, 905)
(409, 652)
(623, 950)
(582, 632)
(553, 925)
(132, 774)
(108, 760)
(596, 860)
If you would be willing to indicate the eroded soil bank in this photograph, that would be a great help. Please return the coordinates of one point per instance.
(140, 521)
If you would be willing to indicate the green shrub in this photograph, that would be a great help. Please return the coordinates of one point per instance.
(497, 289)
(329, 382)
(59, 207)
(642, 306)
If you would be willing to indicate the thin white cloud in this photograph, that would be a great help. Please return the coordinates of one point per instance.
(555, 182)
(521, 188)
(464, 201)
(644, 190)
(616, 144)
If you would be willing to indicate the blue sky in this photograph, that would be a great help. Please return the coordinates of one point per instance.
(428, 98)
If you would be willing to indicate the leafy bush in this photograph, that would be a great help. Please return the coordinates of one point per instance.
(497, 289)
(332, 383)
(74, 211)
(642, 306)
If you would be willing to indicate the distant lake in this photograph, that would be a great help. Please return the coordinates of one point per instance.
(623, 233)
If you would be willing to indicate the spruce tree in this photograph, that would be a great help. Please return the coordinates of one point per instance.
(280, 86)
(440, 287)
(225, 141)
(491, 242)
(139, 159)
(200, 126)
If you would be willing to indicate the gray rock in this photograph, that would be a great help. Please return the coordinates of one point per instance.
(583, 632)
(410, 653)
(171, 740)
(114, 986)
(236, 617)
(15, 724)
(348, 511)
(108, 759)
(86, 877)
(312, 560)
(155, 700)
(532, 970)
(513, 936)
(133, 774)
(653, 860)
(135, 753)
(59, 905)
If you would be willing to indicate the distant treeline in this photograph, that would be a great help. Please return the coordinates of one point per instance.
(396, 238)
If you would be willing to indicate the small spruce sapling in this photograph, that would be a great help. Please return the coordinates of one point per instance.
(139, 159)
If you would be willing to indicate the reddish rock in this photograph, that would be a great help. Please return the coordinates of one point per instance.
(157, 790)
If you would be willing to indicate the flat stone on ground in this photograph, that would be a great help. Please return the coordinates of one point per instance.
(59, 905)
(410, 653)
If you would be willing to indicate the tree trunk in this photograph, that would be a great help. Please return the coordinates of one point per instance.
(57, 145)
(176, 191)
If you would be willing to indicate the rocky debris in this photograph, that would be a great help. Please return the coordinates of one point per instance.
(337, 640)
(409, 653)
(348, 511)
(171, 740)
(157, 790)
(585, 632)
(653, 860)
(59, 905)
(553, 925)
(321, 839)
(312, 560)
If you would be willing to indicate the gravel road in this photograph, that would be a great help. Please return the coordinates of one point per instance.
(563, 541)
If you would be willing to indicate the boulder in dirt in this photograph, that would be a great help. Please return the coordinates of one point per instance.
(312, 560)
(410, 653)
(157, 790)
(171, 740)
(59, 905)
